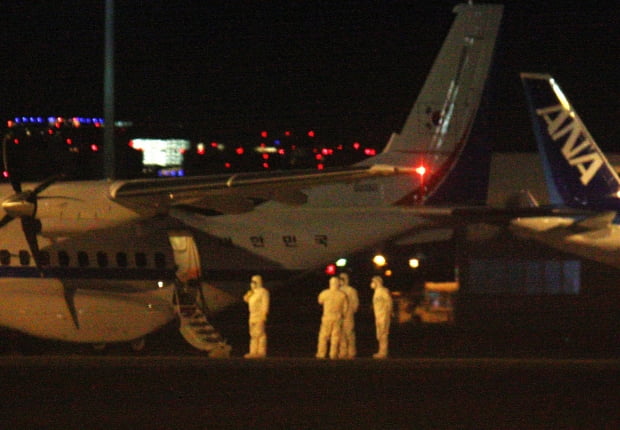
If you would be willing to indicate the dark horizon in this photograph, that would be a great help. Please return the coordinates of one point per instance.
(349, 68)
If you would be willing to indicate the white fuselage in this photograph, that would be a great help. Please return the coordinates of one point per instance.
(112, 260)
(116, 270)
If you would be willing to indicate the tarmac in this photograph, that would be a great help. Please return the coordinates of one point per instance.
(181, 392)
(499, 373)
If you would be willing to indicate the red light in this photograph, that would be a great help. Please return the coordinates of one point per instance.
(240, 150)
(227, 165)
(266, 165)
(94, 147)
(130, 143)
(420, 170)
(264, 134)
(16, 141)
(287, 133)
(69, 141)
(213, 144)
(265, 156)
(281, 151)
(330, 269)
(311, 133)
(5, 174)
(356, 145)
(370, 152)
(320, 166)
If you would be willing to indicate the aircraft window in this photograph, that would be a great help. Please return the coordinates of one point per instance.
(102, 259)
(44, 258)
(63, 258)
(5, 257)
(83, 259)
(140, 259)
(160, 260)
(24, 258)
(121, 259)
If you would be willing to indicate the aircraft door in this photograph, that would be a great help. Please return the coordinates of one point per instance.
(186, 256)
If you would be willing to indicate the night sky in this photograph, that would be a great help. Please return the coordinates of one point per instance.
(349, 68)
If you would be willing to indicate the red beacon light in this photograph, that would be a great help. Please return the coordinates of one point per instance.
(330, 269)
(420, 170)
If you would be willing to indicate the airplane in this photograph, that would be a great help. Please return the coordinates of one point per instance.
(578, 176)
(100, 261)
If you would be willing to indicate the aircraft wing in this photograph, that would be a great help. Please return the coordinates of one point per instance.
(238, 192)
(442, 221)
(492, 215)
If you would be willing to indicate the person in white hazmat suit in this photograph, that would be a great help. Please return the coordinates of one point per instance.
(257, 299)
(347, 347)
(335, 306)
(382, 305)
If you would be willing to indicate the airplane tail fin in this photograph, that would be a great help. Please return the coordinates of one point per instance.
(439, 125)
(577, 172)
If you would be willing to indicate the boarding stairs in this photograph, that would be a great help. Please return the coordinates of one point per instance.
(193, 323)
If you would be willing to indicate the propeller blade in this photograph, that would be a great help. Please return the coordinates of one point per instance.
(5, 220)
(32, 226)
(43, 185)
(69, 293)
(17, 186)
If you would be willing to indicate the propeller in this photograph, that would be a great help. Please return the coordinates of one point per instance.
(23, 205)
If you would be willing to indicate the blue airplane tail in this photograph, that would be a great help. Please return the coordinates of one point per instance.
(577, 173)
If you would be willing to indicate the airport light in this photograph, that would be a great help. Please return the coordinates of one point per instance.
(379, 260)
(414, 262)
(330, 269)
(341, 262)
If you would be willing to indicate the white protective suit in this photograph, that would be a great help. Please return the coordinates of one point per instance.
(347, 340)
(382, 306)
(335, 306)
(257, 299)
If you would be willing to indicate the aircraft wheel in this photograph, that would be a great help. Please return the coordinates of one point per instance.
(138, 344)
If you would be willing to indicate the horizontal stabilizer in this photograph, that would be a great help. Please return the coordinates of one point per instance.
(234, 193)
